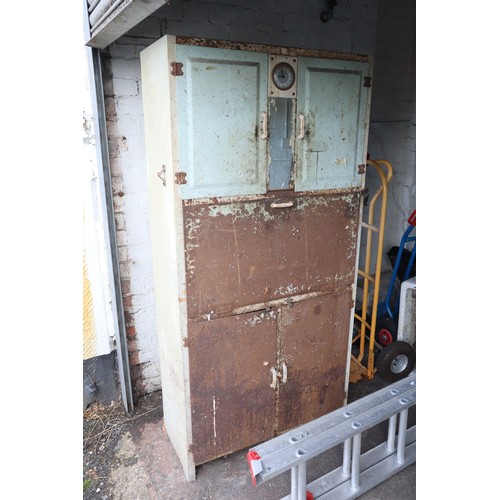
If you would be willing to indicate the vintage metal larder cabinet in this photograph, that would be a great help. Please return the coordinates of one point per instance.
(256, 167)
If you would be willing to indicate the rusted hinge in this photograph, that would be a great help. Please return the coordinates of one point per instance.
(361, 169)
(180, 178)
(176, 68)
(368, 81)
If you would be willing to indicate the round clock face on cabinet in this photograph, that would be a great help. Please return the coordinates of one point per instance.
(283, 76)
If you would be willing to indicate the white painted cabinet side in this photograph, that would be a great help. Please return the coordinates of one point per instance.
(158, 87)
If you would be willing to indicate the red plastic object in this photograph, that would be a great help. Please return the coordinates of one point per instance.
(412, 220)
(384, 336)
(252, 456)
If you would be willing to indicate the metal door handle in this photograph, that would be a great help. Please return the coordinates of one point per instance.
(284, 204)
(264, 126)
(161, 175)
(284, 376)
(274, 374)
(302, 127)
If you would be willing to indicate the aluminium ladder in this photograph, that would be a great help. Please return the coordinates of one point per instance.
(358, 472)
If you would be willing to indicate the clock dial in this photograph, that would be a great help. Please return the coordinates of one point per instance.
(283, 76)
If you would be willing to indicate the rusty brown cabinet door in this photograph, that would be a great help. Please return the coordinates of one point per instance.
(246, 252)
(314, 342)
(232, 402)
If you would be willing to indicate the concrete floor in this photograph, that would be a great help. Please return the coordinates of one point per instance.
(146, 467)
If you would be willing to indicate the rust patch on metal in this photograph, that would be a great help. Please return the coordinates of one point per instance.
(176, 68)
(180, 178)
(315, 340)
(280, 359)
(268, 196)
(244, 252)
(271, 49)
(264, 306)
(232, 403)
(357, 371)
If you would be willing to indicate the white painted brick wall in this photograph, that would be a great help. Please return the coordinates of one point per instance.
(128, 167)
(293, 23)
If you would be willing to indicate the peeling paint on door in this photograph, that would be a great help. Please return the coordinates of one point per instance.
(244, 253)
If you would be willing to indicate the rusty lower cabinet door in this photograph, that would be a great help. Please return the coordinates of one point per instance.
(232, 403)
(314, 336)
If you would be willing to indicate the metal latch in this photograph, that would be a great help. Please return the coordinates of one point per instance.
(368, 81)
(279, 374)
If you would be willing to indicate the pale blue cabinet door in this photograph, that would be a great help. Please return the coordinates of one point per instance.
(220, 99)
(333, 103)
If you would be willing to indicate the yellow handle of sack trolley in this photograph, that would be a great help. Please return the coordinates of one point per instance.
(385, 178)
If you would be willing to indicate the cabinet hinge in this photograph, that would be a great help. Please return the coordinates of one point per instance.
(176, 68)
(361, 169)
(368, 81)
(180, 178)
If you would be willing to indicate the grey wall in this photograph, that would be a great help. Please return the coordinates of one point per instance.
(294, 23)
(357, 26)
(393, 121)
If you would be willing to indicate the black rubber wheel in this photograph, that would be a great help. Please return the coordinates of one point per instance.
(395, 361)
(386, 330)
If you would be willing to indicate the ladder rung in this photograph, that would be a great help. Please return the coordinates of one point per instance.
(377, 465)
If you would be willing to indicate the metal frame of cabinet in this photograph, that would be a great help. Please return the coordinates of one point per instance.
(254, 286)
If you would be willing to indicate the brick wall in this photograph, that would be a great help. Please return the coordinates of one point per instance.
(293, 23)
(128, 176)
